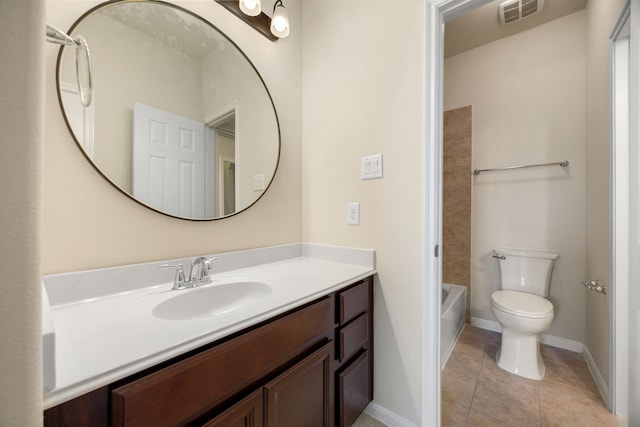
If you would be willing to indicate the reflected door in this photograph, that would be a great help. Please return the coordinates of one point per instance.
(169, 162)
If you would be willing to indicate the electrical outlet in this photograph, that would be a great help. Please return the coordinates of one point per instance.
(353, 213)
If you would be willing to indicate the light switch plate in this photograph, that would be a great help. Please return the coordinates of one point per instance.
(353, 213)
(371, 167)
(258, 182)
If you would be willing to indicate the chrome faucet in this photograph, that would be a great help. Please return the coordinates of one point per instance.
(178, 280)
(200, 268)
(198, 275)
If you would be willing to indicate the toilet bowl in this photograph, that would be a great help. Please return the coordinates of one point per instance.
(522, 309)
(523, 318)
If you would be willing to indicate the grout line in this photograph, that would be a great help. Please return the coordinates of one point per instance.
(539, 403)
(477, 379)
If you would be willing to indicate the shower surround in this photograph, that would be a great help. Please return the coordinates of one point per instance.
(456, 199)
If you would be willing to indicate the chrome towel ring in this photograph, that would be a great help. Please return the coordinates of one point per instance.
(57, 36)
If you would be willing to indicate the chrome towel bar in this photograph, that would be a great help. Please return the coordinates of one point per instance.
(563, 163)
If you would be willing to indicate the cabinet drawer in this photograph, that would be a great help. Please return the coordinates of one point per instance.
(190, 388)
(353, 301)
(353, 337)
(353, 390)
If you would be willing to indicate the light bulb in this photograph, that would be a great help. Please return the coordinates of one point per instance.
(251, 7)
(280, 21)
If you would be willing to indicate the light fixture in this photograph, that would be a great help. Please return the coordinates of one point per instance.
(251, 7)
(280, 20)
(272, 28)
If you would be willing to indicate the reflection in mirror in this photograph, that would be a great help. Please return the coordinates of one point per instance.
(180, 119)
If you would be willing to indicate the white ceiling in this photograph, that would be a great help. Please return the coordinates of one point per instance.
(482, 26)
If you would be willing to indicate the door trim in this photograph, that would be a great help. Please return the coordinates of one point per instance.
(618, 398)
(437, 13)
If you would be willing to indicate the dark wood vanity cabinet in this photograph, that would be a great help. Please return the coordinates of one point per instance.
(354, 351)
(309, 367)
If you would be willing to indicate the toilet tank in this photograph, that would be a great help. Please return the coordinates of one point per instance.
(525, 270)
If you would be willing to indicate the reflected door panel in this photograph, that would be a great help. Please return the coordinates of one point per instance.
(169, 162)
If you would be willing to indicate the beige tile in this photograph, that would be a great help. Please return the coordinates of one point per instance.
(458, 121)
(454, 414)
(563, 405)
(562, 356)
(457, 386)
(466, 358)
(478, 419)
(508, 400)
(456, 197)
(577, 375)
(473, 335)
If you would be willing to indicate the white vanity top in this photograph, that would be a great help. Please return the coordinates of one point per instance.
(105, 329)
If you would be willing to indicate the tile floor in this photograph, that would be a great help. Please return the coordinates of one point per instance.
(365, 420)
(475, 392)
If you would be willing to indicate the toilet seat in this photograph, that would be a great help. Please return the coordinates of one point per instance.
(522, 304)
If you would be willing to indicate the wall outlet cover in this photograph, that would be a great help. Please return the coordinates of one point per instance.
(353, 213)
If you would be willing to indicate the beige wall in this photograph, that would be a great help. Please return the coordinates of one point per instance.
(21, 123)
(363, 94)
(601, 17)
(528, 97)
(89, 224)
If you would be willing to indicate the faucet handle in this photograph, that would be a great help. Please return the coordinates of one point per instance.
(178, 280)
(207, 264)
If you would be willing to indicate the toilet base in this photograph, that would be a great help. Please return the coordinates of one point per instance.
(520, 354)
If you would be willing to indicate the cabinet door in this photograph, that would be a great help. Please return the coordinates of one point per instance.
(353, 390)
(246, 413)
(301, 396)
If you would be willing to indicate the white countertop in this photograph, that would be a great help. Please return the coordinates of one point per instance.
(102, 339)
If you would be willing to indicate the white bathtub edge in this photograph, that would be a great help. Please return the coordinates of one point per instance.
(450, 331)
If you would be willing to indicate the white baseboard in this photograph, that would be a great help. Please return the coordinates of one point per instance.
(603, 388)
(551, 340)
(490, 325)
(621, 421)
(386, 416)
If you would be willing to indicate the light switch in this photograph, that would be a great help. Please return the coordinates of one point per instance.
(371, 167)
(353, 213)
(258, 182)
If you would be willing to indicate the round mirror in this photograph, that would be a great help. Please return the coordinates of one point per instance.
(179, 118)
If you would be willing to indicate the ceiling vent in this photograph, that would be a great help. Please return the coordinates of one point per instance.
(515, 10)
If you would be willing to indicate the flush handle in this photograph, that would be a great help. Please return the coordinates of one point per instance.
(497, 256)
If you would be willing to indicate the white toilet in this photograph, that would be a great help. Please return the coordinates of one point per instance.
(522, 309)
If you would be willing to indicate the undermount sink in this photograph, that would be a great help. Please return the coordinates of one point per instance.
(211, 300)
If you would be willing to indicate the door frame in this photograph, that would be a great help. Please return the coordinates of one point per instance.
(619, 214)
(634, 213)
(437, 13)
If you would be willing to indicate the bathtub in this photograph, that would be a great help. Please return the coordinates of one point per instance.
(452, 317)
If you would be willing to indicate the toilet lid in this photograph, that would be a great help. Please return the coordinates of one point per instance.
(522, 304)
